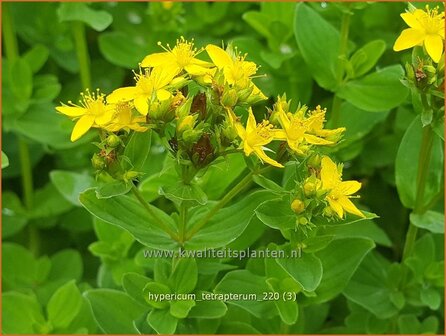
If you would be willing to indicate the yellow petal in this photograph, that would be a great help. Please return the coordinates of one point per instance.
(409, 38)
(122, 94)
(336, 206)
(349, 187)
(164, 75)
(278, 134)
(283, 119)
(350, 207)
(71, 111)
(314, 140)
(265, 158)
(218, 56)
(251, 124)
(141, 104)
(163, 94)
(412, 20)
(155, 60)
(329, 173)
(105, 117)
(196, 70)
(434, 47)
(201, 63)
(82, 126)
(256, 92)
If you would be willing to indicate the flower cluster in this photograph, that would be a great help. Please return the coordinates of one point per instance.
(199, 107)
(426, 28)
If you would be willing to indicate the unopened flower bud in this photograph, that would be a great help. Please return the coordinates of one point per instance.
(113, 141)
(410, 74)
(314, 161)
(328, 212)
(302, 221)
(98, 162)
(187, 123)
(229, 98)
(309, 188)
(297, 206)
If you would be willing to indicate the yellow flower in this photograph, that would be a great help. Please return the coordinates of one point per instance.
(181, 57)
(316, 126)
(296, 129)
(426, 27)
(339, 192)
(236, 70)
(124, 118)
(150, 85)
(92, 112)
(255, 136)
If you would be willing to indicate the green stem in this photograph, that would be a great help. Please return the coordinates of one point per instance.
(343, 44)
(182, 222)
(83, 58)
(9, 37)
(423, 170)
(158, 221)
(229, 196)
(12, 54)
(335, 111)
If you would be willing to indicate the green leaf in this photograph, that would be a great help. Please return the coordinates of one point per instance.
(339, 260)
(227, 224)
(184, 276)
(266, 183)
(43, 124)
(36, 57)
(431, 298)
(126, 213)
(66, 264)
(64, 305)
(257, 21)
(180, 309)
(277, 214)
(48, 203)
(71, 184)
(113, 189)
(162, 321)
(321, 51)
(363, 229)
(46, 88)
(133, 284)
(406, 166)
(306, 270)
(21, 83)
(377, 92)
(245, 282)
(5, 160)
(19, 268)
(430, 325)
(365, 58)
(151, 292)
(99, 20)
(14, 216)
(408, 324)
(208, 309)
(179, 192)
(114, 311)
(20, 313)
(348, 220)
(121, 49)
(430, 220)
(138, 148)
(288, 310)
(369, 288)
